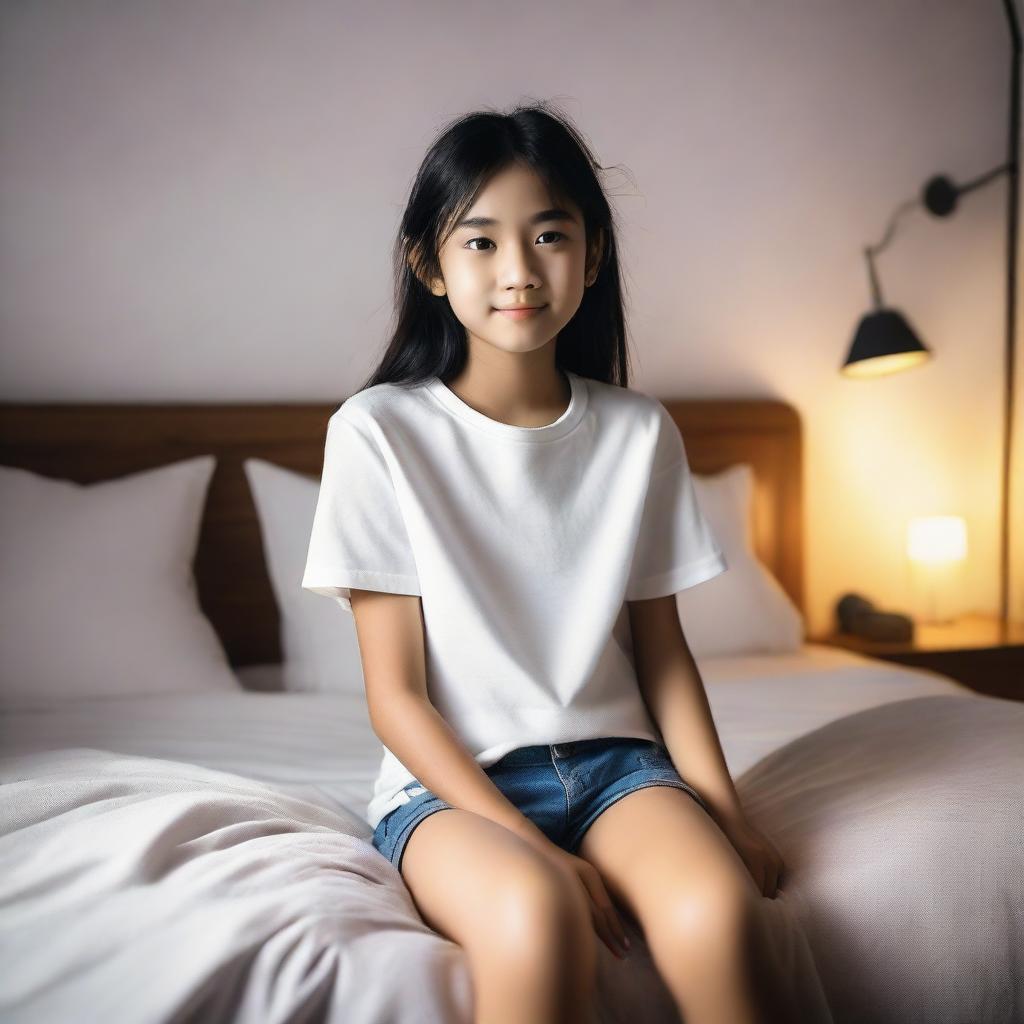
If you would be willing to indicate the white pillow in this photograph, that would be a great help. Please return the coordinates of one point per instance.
(319, 644)
(97, 597)
(743, 610)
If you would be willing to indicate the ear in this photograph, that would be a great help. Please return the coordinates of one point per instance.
(435, 285)
(595, 256)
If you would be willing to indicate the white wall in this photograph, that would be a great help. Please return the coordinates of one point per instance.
(198, 202)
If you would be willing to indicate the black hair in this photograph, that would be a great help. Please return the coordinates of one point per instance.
(428, 339)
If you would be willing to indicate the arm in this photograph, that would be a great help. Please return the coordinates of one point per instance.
(389, 628)
(674, 694)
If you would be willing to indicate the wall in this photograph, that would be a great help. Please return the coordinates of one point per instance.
(199, 201)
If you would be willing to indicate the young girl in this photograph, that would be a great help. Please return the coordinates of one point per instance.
(509, 524)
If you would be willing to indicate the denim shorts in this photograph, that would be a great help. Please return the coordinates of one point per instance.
(560, 787)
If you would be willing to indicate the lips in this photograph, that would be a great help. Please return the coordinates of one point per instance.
(519, 312)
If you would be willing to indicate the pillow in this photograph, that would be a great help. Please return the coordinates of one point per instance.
(97, 596)
(744, 610)
(319, 644)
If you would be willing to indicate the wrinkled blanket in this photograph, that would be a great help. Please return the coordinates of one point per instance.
(151, 890)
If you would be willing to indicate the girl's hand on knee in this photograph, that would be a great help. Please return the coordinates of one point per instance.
(607, 922)
(758, 852)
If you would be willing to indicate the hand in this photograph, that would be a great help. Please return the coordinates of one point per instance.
(607, 922)
(763, 860)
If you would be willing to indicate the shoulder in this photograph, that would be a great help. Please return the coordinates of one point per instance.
(629, 404)
(374, 408)
(650, 426)
(361, 430)
(645, 416)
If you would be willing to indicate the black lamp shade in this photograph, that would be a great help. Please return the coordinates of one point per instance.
(884, 343)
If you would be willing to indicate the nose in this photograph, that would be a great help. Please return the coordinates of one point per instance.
(518, 270)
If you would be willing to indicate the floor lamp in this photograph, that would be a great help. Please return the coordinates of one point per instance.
(884, 341)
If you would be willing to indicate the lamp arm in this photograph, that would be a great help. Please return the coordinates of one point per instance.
(984, 179)
(876, 290)
(939, 196)
(870, 251)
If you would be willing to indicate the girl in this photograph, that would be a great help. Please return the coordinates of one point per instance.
(509, 524)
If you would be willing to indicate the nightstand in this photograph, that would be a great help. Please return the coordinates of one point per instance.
(974, 650)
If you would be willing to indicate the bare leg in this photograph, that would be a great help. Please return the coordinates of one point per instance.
(528, 934)
(666, 861)
(706, 956)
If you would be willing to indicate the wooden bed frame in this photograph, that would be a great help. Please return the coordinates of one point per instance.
(93, 442)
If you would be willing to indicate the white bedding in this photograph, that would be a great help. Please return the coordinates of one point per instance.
(321, 746)
(898, 808)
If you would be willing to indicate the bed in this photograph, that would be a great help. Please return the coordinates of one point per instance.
(203, 854)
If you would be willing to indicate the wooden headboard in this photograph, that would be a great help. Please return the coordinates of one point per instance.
(89, 443)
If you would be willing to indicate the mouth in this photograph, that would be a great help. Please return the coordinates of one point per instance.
(519, 312)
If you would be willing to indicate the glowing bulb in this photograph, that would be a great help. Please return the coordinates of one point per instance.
(937, 549)
(937, 539)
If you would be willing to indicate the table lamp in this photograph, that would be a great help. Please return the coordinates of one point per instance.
(885, 342)
(937, 548)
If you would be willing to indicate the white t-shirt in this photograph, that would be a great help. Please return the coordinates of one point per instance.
(523, 543)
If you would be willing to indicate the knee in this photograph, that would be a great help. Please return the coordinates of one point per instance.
(717, 918)
(538, 908)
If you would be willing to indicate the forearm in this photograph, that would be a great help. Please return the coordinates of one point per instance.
(415, 732)
(679, 705)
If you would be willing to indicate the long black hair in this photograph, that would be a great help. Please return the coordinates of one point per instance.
(428, 339)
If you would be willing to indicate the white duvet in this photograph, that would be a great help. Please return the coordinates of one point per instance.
(206, 857)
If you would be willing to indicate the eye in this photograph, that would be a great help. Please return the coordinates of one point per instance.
(469, 244)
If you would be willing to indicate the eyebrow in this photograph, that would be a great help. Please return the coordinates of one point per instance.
(555, 213)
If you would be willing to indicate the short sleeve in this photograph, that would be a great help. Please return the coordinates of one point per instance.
(675, 547)
(358, 538)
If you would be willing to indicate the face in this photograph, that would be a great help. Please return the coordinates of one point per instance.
(521, 248)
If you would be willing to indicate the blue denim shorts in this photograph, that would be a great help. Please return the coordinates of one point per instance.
(560, 787)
